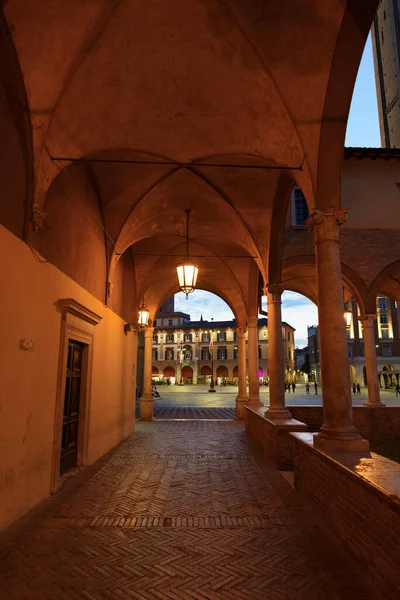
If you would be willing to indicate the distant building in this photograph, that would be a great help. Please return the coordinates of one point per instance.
(386, 47)
(387, 340)
(181, 349)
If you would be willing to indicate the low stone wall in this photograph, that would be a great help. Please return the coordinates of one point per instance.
(273, 437)
(359, 495)
(369, 421)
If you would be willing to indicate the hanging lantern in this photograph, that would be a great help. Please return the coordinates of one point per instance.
(143, 317)
(187, 277)
(347, 317)
(188, 271)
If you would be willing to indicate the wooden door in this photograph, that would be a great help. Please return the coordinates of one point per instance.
(70, 426)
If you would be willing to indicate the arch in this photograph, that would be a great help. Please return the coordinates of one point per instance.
(17, 160)
(350, 42)
(387, 282)
(351, 280)
(187, 371)
(235, 372)
(154, 370)
(169, 371)
(205, 370)
(222, 371)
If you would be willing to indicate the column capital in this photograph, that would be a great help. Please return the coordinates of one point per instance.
(241, 331)
(274, 291)
(148, 331)
(368, 320)
(252, 321)
(325, 223)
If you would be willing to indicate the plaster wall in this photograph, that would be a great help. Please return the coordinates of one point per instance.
(29, 377)
(371, 193)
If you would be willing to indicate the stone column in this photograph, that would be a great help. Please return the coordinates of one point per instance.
(241, 399)
(371, 365)
(338, 431)
(252, 350)
(146, 401)
(276, 356)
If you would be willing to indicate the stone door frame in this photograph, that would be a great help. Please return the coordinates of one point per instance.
(77, 324)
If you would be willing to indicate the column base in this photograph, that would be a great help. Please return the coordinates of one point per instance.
(146, 408)
(375, 405)
(254, 402)
(348, 440)
(241, 403)
(278, 413)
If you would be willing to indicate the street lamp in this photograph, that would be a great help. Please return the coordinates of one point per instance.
(187, 271)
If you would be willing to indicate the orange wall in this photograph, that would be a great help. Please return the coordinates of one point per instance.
(28, 379)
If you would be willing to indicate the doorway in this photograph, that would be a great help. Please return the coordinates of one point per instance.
(72, 405)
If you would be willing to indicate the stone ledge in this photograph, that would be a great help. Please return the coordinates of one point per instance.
(377, 472)
(290, 424)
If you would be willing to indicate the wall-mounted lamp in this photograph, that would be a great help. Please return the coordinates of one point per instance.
(347, 317)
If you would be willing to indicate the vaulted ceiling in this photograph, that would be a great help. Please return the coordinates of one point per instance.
(214, 105)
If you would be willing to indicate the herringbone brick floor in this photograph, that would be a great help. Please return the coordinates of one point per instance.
(180, 510)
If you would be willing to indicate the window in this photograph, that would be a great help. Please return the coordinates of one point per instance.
(188, 337)
(288, 336)
(169, 354)
(235, 336)
(170, 337)
(300, 207)
(222, 354)
(155, 323)
(222, 336)
(259, 351)
(384, 333)
(235, 353)
(386, 351)
(289, 355)
(383, 318)
(382, 303)
(155, 354)
(155, 339)
(205, 354)
(170, 322)
(350, 351)
(205, 337)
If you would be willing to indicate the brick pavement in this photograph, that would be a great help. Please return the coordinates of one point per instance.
(180, 510)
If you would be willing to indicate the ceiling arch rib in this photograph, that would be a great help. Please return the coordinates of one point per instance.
(161, 213)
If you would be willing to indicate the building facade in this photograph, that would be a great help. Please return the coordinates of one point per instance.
(386, 48)
(387, 344)
(181, 350)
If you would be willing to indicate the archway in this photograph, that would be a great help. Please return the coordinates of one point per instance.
(154, 370)
(205, 371)
(187, 374)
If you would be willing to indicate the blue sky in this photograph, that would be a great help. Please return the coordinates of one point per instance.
(362, 130)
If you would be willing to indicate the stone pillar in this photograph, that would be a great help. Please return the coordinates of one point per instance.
(371, 365)
(276, 356)
(338, 431)
(195, 371)
(252, 350)
(241, 399)
(146, 401)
